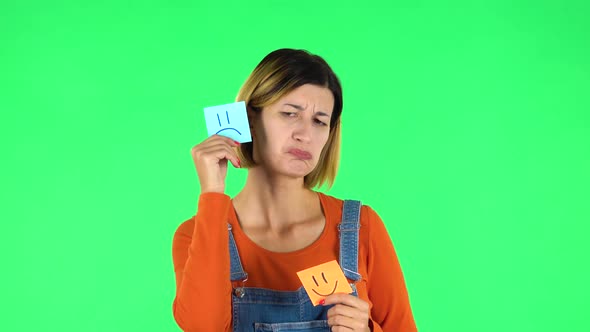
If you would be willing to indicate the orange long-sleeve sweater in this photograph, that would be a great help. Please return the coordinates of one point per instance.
(202, 266)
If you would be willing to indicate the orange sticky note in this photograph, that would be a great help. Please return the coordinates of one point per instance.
(323, 280)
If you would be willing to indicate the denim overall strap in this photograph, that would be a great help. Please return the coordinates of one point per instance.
(237, 271)
(349, 238)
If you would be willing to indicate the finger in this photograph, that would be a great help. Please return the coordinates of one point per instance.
(340, 329)
(344, 310)
(222, 138)
(217, 145)
(219, 152)
(224, 152)
(343, 323)
(346, 299)
(216, 140)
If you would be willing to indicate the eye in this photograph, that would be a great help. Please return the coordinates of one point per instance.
(320, 122)
(289, 114)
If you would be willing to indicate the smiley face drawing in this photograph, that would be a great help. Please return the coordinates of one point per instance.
(230, 120)
(324, 280)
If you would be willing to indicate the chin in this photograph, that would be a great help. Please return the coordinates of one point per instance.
(294, 170)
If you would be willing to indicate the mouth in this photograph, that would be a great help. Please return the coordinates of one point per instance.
(301, 154)
(332, 292)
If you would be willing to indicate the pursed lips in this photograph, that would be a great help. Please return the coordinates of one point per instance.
(301, 154)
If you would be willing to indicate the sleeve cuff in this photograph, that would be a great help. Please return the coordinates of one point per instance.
(213, 206)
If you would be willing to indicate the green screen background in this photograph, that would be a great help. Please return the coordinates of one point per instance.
(465, 126)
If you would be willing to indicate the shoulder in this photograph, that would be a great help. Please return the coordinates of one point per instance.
(334, 207)
(186, 228)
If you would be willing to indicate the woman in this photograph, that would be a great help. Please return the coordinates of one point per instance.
(236, 260)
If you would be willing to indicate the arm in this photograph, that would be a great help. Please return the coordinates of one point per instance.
(202, 267)
(386, 286)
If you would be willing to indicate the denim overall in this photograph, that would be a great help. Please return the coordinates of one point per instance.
(262, 310)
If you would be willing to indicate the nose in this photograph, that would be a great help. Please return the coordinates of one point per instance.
(303, 131)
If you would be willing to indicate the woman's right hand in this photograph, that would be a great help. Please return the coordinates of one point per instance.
(210, 157)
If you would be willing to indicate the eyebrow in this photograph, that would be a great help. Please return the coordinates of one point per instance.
(300, 108)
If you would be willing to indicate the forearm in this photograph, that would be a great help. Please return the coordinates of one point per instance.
(203, 295)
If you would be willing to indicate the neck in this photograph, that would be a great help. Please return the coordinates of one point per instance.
(273, 201)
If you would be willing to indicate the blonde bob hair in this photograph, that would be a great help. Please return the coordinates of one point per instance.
(279, 73)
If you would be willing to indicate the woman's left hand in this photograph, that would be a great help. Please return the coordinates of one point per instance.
(349, 313)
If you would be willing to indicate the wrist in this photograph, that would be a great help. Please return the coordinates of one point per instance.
(219, 190)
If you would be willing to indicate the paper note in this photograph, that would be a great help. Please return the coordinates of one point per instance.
(230, 120)
(323, 280)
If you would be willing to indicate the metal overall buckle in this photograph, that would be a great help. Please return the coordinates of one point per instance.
(241, 291)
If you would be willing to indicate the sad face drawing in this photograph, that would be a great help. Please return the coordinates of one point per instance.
(230, 120)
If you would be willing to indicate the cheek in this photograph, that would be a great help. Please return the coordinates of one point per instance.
(272, 143)
(323, 141)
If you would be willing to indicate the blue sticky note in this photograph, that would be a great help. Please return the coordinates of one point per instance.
(230, 120)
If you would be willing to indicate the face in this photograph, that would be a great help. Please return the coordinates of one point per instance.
(289, 135)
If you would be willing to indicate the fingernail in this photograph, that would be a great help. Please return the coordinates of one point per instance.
(322, 301)
(237, 143)
(239, 164)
